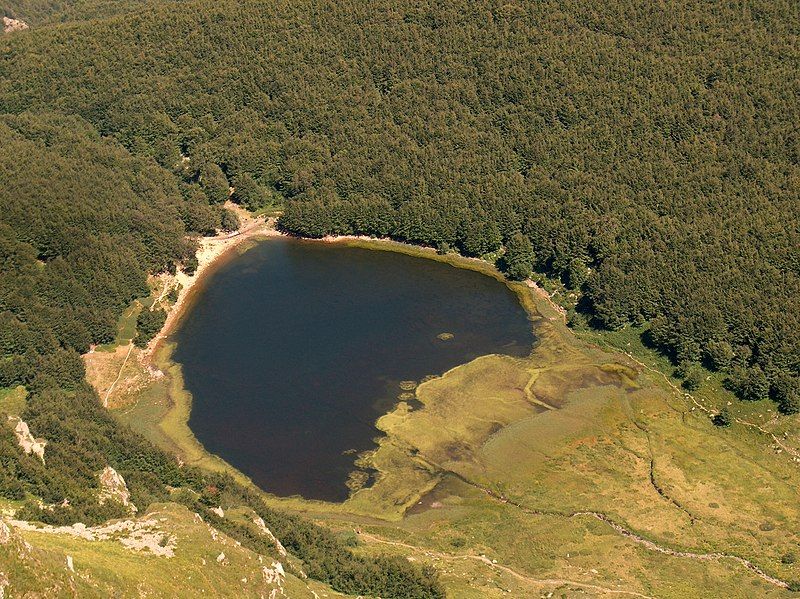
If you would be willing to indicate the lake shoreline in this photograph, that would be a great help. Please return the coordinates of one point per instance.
(521, 288)
(214, 251)
(211, 253)
(288, 293)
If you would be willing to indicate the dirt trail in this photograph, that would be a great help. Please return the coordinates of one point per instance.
(496, 566)
(647, 543)
(546, 297)
(651, 456)
(687, 554)
(532, 396)
(119, 374)
(789, 450)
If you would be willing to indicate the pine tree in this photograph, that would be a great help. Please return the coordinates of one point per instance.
(214, 183)
(723, 419)
(518, 258)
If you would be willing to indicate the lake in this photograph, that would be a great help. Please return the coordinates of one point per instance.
(294, 349)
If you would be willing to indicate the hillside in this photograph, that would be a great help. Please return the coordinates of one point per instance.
(640, 161)
(191, 560)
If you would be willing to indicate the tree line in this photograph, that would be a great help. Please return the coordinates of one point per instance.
(647, 156)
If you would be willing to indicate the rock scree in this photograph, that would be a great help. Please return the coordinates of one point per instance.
(26, 441)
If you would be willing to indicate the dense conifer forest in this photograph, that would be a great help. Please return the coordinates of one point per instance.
(645, 155)
(649, 154)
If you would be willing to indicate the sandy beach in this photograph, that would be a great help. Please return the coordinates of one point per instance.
(118, 375)
(209, 253)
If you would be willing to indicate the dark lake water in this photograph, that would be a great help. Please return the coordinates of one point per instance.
(294, 349)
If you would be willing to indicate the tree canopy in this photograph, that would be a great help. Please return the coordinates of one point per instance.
(648, 155)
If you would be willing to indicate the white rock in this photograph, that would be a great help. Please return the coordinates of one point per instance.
(26, 441)
(275, 574)
(5, 533)
(263, 528)
(113, 487)
(10, 25)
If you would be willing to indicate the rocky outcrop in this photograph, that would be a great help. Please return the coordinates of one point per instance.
(26, 440)
(275, 576)
(136, 535)
(11, 25)
(5, 533)
(113, 488)
(266, 531)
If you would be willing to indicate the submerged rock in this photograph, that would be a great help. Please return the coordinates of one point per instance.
(408, 385)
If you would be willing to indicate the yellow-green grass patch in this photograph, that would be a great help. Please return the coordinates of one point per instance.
(12, 400)
(205, 562)
(126, 327)
(574, 427)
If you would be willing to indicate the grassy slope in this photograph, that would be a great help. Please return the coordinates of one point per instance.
(106, 568)
(712, 395)
(126, 327)
(712, 490)
(12, 400)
